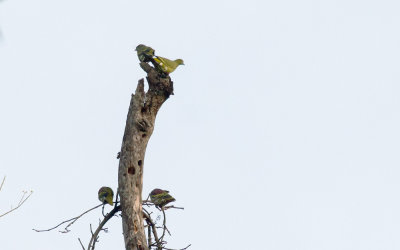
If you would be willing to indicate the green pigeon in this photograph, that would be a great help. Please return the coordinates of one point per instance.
(144, 53)
(167, 66)
(106, 195)
(160, 197)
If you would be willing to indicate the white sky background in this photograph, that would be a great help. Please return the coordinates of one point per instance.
(283, 132)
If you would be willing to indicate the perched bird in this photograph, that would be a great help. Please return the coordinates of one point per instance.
(106, 195)
(167, 66)
(161, 197)
(144, 53)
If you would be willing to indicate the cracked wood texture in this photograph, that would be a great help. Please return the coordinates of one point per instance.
(142, 113)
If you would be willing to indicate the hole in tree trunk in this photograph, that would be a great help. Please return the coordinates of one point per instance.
(131, 170)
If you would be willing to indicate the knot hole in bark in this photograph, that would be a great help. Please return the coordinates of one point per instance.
(142, 125)
(131, 170)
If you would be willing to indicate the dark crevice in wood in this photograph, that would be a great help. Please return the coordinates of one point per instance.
(131, 170)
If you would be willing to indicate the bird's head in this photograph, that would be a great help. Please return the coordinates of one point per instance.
(140, 47)
(158, 191)
(179, 62)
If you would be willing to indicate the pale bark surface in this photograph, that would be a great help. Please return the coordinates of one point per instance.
(142, 113)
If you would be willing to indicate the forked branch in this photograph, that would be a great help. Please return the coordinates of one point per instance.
(25, 196)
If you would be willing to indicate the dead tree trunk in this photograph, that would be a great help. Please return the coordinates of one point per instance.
(142, 113)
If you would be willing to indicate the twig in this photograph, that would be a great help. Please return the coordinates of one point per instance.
(166, 228)
(178, 249)
(148, 234)
(102, 210)
(1, 186)
(172, 206)
(159, 241)
(22, 201)
(154, 229)
(151, 225)
(149, 203)
(100, 227)
(116, 198)
(93, 237)
(66, 230)
(81, 244)
(164, 224)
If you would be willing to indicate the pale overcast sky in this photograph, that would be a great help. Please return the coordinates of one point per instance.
(283, 132)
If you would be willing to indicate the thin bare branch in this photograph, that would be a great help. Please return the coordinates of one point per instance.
(1, 186)
(149, 203)
(172, 206)
(95, 235)
(148, 235)
(22, 201)
(178, 249)
(81, 244)
(164, 224)
(159, 242)
(153, 227)
(66, 230)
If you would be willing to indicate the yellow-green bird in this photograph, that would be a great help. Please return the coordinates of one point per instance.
(145, 53)
(106, 195)
(161, 197)
(167, 66)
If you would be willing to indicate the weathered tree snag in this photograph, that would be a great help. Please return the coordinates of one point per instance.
(142, 113)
